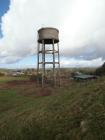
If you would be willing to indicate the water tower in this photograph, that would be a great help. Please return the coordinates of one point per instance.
(48, 55)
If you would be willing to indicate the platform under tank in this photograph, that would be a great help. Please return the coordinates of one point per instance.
(49, 35)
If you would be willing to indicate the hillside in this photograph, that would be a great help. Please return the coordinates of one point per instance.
(73, 112)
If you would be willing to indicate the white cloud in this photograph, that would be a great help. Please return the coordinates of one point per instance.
(81, 24)
(84, 30)
(67, 62)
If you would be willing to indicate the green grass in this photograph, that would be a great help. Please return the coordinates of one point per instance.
(74, 112)
(5, 79)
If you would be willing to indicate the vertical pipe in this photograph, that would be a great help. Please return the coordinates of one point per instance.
(54, 77)
(59, 65)
(44, 57)
(38, 63)
(42, 63)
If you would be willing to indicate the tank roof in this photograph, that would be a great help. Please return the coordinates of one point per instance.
(43, 28)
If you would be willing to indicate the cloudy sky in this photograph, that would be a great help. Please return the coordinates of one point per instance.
(81, 25)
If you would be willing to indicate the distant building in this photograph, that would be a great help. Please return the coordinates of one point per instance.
(16, 73)
(81, 76)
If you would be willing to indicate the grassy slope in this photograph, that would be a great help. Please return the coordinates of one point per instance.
(76, 112)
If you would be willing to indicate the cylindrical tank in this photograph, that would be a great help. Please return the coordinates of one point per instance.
(48, 34)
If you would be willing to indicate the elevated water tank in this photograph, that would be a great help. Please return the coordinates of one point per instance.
(48, 35)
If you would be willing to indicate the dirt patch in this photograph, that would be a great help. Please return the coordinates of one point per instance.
(27, 88)
(15, 84)
(37, 92)
(44, 92)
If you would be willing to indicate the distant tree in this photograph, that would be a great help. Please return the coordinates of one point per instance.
(101, 70)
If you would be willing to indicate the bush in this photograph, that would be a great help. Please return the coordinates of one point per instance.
(2, 74)
(101, 70)
(36, 77)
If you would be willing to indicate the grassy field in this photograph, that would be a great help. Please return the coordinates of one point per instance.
(72, 112)
(6, 79)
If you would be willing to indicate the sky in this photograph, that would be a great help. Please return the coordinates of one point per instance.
(81, 25)
(4, 6)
